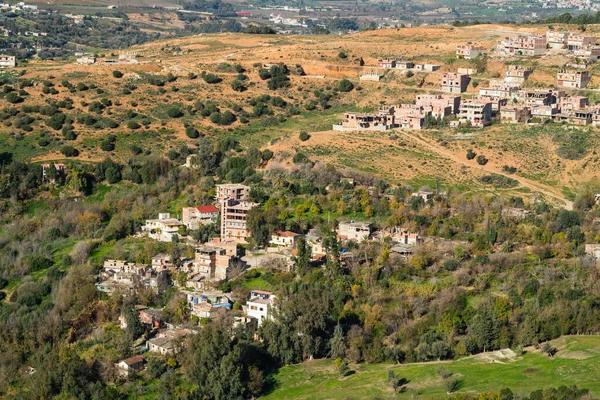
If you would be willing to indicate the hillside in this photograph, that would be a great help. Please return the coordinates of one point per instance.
(167, 73)
(575, 361)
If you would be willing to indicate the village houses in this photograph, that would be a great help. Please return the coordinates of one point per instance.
(163, 229)
(354, 231)
(126, 368)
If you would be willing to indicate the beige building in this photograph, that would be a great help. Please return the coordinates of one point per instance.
(8, 61)
(365, 122)
(194, 217)
(354, 231)
(233, 191)
(439, 105)
(234, 215)
(454, 82)
(511, 115)
(469, 51)
(534, 45)
(517, 74)
(572, 79)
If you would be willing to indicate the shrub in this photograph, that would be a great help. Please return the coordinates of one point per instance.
(304, 136)
(69, 151)
(345, 85)
(500, 181)
(470, 154)
(172, 154)
(132, 124)
(211, 78)
(13, 98)
(107, 145)
(267, 155)
(117, 74)
(481, 160)
(264, 74)
(174, 112)
(192, 132)
(135, 149)
(342, 55)
(238, 86)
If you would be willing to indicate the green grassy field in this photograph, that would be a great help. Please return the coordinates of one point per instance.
(577, 362)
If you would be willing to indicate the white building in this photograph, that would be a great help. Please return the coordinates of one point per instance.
(355, 231)
(261, 305)
(284, 239)
(163, 229)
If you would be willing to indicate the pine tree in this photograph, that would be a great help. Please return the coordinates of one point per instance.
(338, 343)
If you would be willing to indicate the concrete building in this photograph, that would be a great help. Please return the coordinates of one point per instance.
(86, 60)
(500, 91)
(412, 122)
(572, 103)
(8, 61)
(284, 239)
(577, 41)
(572, 79)
(476, 111)
(234, 215)
(541, 97)
(534, 45)
(354, 231)
(469, 51)
(365, 122)
(454, 82)
(557, 39)
(130, 366)
(404, 65)
(513, 115)
(163, 229)
(385, 63)
(517, 74)
(370, 76)
(590, 53)
(439, 105)
(194, 217)
(543, 112)
(261, 305)
(233, 191)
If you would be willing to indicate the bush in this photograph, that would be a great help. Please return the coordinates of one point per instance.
(172, 154)
(117, 74)
(112, 175)
(211, 78)
(342, 55)
(132, 124)
(238, 86)
(304, 136)
(174, 112)
(107, 145)
(192, 132)
(264, 74)
(470, 154)
(69, 151)
(345, 85)
(13, 98)
(500, 181)
(481, 160)
(410, 74)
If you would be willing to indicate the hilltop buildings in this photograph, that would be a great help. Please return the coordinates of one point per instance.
(234, 211)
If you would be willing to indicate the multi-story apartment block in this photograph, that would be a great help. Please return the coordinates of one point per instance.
(477, 111)
(540, 97)
(469, 51)
(557, 39)
(534, 45)
(590, 52)
(234, 215)
(455, 83)
(500, 91)
(572, 79)
(233, 191)
(440, 105)
(577, 41)
(573, 103)
(517, 74)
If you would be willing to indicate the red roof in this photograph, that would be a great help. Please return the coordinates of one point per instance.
(207, 209)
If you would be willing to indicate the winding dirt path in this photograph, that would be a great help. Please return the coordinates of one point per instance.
(528, 183)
